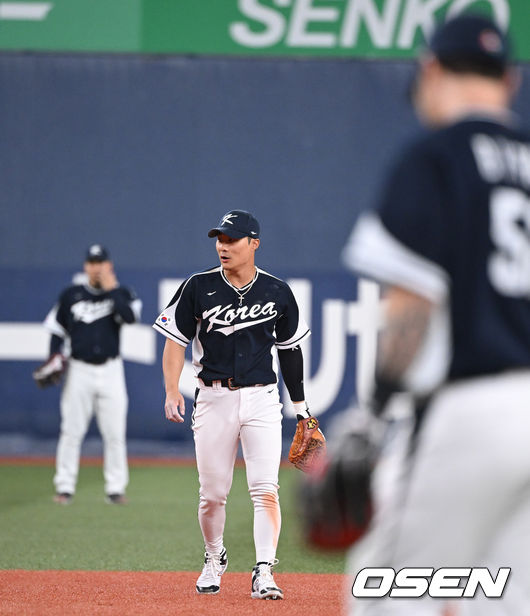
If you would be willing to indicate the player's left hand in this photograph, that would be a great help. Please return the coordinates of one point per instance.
(175, 407)
(336, 503)
(308, 448)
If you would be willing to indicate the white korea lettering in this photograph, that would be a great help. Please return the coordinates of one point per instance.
(225, 315)
(88, 312)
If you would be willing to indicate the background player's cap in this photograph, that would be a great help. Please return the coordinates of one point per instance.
(97, 254)
(472, 38)
(236, 224)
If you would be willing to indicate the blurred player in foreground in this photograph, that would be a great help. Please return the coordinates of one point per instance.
(235, 314)
(450, 241)
(85, 326)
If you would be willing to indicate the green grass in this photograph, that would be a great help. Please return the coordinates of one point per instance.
(157, 531)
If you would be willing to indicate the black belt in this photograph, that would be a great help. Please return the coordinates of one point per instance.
(227, 383)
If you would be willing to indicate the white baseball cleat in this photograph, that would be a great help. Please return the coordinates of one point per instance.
(209, 581)
(63, 498)
(263, 584)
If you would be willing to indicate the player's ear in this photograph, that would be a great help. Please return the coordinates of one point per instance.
(254, 243)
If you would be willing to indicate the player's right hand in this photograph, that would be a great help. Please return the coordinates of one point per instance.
(107, 277)
(175, 407)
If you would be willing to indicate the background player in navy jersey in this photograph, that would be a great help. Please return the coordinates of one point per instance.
(235, 314)
(85, 326)
(450, 240)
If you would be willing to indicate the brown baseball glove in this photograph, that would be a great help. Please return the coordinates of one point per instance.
(308, 449)
(51, 371)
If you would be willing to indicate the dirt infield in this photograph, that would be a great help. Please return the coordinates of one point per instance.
(123, 593)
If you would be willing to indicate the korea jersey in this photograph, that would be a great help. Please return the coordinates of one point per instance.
(453, 225)
(91, 318)
(233, 330)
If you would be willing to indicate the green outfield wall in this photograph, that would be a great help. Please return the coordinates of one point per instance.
(318, 28)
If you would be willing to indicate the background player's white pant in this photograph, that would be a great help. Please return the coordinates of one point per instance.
(93, 390)
(462, 499)
(222, 417)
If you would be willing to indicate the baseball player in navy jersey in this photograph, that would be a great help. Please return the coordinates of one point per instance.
(235, 315)
(85, 326)
(450, 240)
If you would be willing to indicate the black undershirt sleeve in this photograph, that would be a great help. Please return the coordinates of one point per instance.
(292, 367)
(56, 344)
(122, 305)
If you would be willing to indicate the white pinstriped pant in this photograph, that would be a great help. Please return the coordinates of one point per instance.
(220, 419)
(93, 390)
(462, 500)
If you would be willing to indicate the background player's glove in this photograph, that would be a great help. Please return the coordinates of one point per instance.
(336, 502)
(51, 371)
(308, 448)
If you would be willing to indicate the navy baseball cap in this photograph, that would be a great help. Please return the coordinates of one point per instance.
(473, 38)
(97, 254)
(236, 224)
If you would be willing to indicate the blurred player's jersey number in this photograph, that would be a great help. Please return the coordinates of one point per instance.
(509, 264)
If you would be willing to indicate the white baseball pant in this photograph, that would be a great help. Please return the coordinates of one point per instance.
(462, 499)
(89, 390)
(221, 418)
